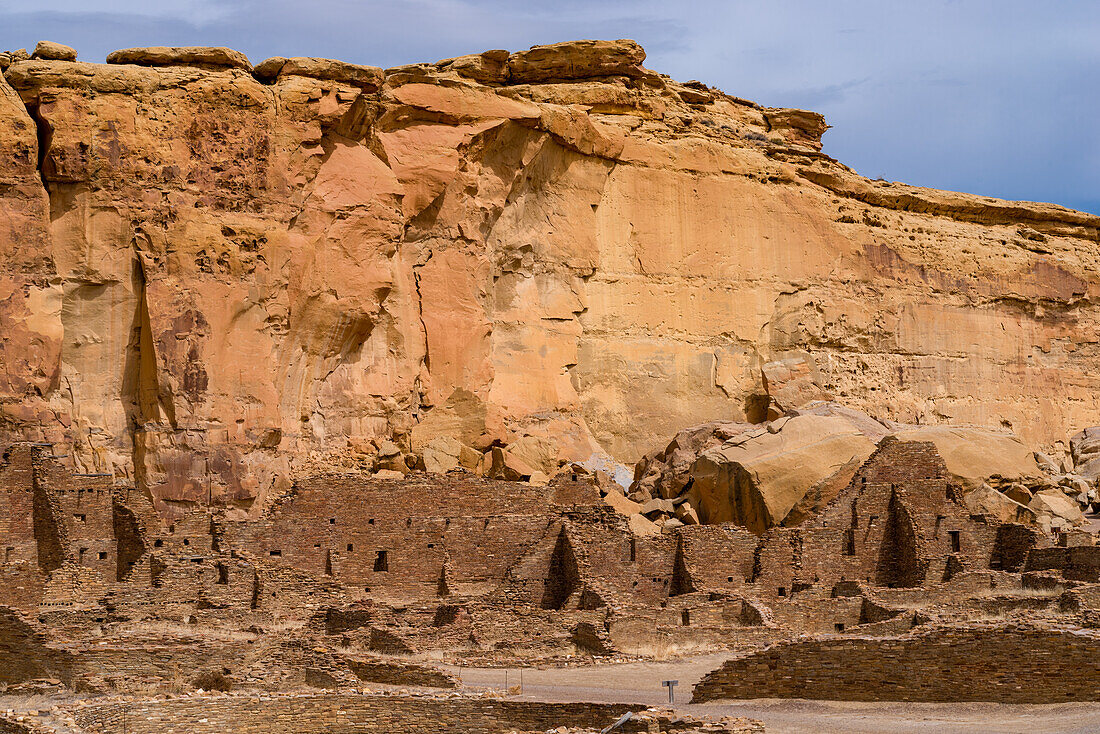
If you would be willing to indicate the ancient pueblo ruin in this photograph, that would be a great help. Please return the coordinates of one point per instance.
(323, 385)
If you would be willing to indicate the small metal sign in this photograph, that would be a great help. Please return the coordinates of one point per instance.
(670, 685)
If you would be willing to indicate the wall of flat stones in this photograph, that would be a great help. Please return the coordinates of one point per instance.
(399, 673)
(344, 714)
(1005, 663)
(11, 726)
(25, 652)
(397, 538)
(1077, 563)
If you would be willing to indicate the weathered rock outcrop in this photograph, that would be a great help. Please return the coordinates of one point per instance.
(211, 278)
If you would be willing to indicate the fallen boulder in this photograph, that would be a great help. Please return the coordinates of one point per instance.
(666, 473)
(1055, 504)
(990, 503)
(535, 452)
(756, 478)
(442, 454)
(621, 504)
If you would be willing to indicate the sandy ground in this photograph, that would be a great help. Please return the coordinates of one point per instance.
(641, 683)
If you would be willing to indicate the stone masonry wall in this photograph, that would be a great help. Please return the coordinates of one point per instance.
(341, 714)
(397, 539)
(1006, 663)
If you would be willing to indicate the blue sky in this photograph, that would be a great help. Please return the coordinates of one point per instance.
(996, 98)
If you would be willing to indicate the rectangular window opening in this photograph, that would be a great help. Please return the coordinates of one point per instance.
(382, 561)
(276, 553)
(956, 542)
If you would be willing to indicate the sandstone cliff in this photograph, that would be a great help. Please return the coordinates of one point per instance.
(213, 276)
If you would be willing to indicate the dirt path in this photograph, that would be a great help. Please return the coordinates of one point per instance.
(641, 683)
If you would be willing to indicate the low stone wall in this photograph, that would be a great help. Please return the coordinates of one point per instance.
(343, 714)
(8, 725)
(1006, 663)
(398, 673)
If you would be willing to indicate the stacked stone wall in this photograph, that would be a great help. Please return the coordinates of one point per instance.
(343, 714)
(1006, 663)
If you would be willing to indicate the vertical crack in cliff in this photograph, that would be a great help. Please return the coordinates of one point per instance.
(142, 399)
(44, 132)
(420, 309)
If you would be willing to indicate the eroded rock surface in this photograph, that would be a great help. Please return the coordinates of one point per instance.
(211, 280)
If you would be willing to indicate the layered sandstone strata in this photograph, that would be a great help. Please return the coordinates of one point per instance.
(213, 276)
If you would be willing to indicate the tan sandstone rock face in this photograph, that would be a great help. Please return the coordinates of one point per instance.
(210, 280)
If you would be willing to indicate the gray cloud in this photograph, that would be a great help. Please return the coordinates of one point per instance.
(991, 96)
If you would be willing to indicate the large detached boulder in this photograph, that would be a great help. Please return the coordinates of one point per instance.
(667, 473)
(1054, 507)
(756, 478)
(444, 453)
(535, 452)
(993, 505)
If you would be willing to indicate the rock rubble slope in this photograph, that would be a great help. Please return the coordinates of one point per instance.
(213, 276)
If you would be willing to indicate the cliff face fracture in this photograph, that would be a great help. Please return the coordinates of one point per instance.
(214, 276)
